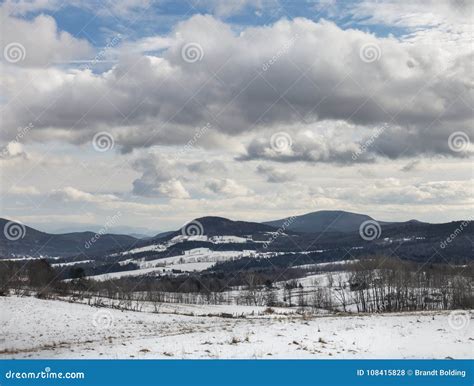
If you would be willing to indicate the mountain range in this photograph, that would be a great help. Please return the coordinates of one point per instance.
(32, 242)
(328, 229)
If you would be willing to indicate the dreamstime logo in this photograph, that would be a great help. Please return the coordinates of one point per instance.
(103, 141)
(280, 231)
(458, 141)
(110, 221)
(21, 133)
(102, 319)
(192, 52)
(369, 142)
(14, 52)
(284, 50)
(199, 132)
(458, 319)
(44, 374)
(102, 53)
(281, 142)
(370, 230)
(14, 231)
(453, 235)
(192, 228)
(370, 52)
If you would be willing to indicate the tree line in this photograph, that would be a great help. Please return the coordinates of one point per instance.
(366, 285)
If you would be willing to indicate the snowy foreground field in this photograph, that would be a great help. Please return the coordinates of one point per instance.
(33, 328)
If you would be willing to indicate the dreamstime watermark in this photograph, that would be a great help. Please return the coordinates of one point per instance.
(370, 230)
(14, 52)
(192, 52)
(102, 53)
(102, 319)
(458, 141)
(459, 319)
(109, 222)
(370, 52)
(14, 231)
(281, 142)
(282, 51)
(198, 133)
(44, 374)
(453, 235)
(369, 142)
(192, 228)
(103, 141)
(21, 133)
(280, 231)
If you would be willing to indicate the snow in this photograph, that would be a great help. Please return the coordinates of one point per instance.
(329, 263)
(228, 239)
(117, 275)
(71, 263)
(34, 328)
(181, 238)
(318, 280)
(154, 247)
(197, 259)
(160, 247)
(190, 267)
(198, 255)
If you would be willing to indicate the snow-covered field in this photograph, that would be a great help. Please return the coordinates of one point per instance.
(181, 238)
(34, 328)
(197, 259)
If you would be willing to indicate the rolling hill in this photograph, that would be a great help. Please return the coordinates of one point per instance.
(21, 240)
(323, 221)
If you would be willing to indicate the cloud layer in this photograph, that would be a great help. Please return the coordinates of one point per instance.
(293, 73)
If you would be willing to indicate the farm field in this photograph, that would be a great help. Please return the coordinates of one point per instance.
(35, 328)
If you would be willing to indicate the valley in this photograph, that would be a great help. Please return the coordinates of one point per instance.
(218, 288)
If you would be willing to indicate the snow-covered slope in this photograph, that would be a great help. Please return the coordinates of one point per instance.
(33, 328)
(197, 259)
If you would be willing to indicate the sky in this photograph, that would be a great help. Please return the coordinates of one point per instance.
(158, 112)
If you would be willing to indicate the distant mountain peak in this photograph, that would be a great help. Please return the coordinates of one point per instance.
(215, 225)
(323, 221)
